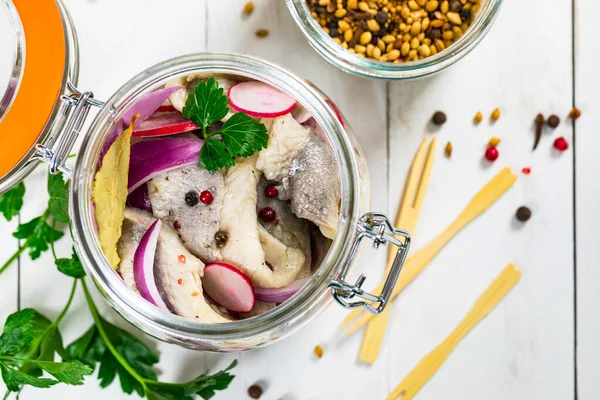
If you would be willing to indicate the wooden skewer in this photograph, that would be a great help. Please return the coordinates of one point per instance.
(418, 261)
(408, 213)
(429, 365)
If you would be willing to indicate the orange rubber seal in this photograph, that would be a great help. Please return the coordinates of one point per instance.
(45, 51)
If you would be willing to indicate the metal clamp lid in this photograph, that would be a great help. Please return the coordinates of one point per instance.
(375, 226)
(74, 110)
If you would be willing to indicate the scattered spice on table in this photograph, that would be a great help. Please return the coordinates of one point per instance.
(318, 351)
(491, 154)
(395, 30)
(553, 121)
(448, 149)
(574, 113)
(249, 8)
(495, 114)
(494, 142)
(262, 33)
(523, 213)
(526, 170)
(439, 118)
(478, 117)
(561, 144)
(540, 121)
(255, 391)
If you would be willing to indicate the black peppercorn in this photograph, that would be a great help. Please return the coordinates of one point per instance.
(221, 238)
(192, 198)
(439, 118)
(333, 32)
(434, 34)
(523, 214)
(455, 6)
(381, 17)
(255, 391)
(553, 121)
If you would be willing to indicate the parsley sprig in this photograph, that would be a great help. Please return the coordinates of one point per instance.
(38, 233)
(240, 136)
(30, 342)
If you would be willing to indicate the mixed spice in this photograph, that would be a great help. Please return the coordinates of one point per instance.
(395, 30)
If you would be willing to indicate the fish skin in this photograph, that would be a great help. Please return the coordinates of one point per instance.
(313, 185)
(196, 225)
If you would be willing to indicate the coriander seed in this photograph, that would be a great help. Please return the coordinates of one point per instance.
(574, 113)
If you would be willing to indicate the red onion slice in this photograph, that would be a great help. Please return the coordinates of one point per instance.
(139, 198)
(148, 104)
(163, 124)
(143, 266)
(153, 157)
(228, 287)
(281, 294)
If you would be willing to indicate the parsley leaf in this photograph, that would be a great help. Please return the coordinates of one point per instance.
(240, 136)
(243, 135)
(214, 156)
(91, 350)
(11, 202)
(70, 266)
(206, 105)
(17, 332)
(38, 235)
(58, 190)
(27, 348)
(204, 386)
(13, 378)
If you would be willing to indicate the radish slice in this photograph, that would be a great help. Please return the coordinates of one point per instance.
(139, 199)
(281, 294)
(153, 157)
(148, 104)
(143, 266)
(258, 99)
(164, 123)
(228, 287)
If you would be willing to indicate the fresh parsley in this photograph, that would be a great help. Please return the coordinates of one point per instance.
(240, 136)
(11, 202)
(28, 346)
(70, 266)
(40, 232)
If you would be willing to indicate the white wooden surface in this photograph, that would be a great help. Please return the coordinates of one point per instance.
(523, 350)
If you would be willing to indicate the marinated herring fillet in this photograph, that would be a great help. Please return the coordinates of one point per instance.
(313, 184)
(196, 223)
(178, 272)
(289, 229)
(286, 137)
(244, 248)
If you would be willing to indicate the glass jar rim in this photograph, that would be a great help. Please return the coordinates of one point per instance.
(133, 307)
(366, 67)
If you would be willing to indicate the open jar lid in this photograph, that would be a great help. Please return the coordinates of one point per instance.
(40, 42)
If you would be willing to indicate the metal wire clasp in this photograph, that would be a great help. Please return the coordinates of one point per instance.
(72, 114)
(375, 226)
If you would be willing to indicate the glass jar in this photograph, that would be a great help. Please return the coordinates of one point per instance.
(330, 281)
(350, 62)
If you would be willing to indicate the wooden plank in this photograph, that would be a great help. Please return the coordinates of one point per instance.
(363, 104)
(524, 350)
(588, 190)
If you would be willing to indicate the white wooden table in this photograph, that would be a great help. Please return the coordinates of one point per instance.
(542, 342)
